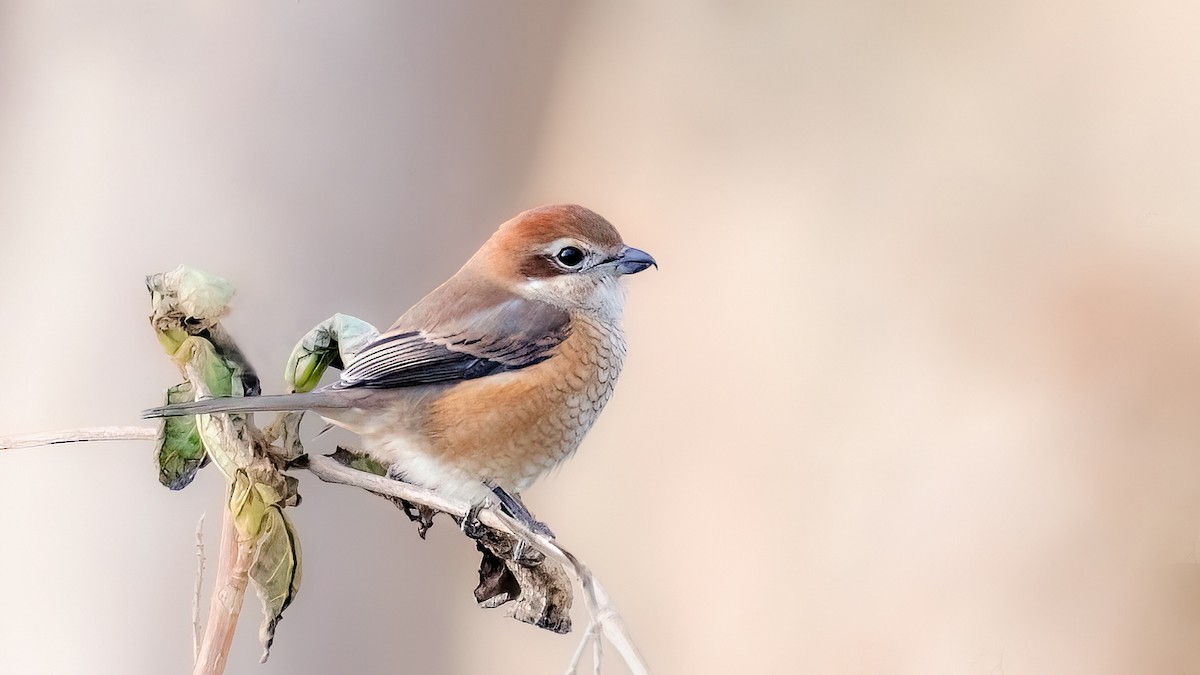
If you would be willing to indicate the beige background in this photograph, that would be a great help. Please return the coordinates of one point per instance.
(915, 390)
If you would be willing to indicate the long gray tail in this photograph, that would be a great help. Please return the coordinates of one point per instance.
(281, 403)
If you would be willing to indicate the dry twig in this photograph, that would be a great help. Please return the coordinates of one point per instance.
(78, 436)
(197, 629)
(229, 591)
(604, 618)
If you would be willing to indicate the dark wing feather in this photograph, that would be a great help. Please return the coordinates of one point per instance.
(505, 333)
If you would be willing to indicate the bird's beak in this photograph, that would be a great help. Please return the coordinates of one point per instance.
(632, 261)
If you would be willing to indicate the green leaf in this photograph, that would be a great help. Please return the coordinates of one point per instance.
(225, 436)
(171, 339)
(359, 461)
(219, 377)
(179, 450)
(334, 341)
(304, 373)
(247, 506)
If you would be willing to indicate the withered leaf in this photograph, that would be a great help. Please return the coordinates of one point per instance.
(275, 572)
(497, 585)
(187, 305)
(418, 513)
(187, 298)
(258, 516)
(534, 591)
(284, 434)
(538, 594)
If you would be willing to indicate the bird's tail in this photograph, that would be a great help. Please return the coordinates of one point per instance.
(228, 404)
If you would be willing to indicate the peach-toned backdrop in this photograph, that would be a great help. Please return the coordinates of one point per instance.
(915, 390)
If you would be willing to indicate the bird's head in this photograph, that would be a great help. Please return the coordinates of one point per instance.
(566, 256)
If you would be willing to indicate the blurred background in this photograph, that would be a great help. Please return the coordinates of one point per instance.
(915, 389)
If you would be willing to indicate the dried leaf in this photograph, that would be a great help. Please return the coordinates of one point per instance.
(186, 296)
(258, 516)
(540, 594)
(284, 433)
(275, 572)
(187, 305)
(187, 302)
(418, 513)
(247, 505)
(535, 592)
(497, 585)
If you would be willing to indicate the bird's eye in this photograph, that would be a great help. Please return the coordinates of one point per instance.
(570, 256)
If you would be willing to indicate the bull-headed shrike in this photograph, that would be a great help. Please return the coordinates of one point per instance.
(492, 379)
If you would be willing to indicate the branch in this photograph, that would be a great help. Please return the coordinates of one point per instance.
(233, 569)
(603, 614)
(210, 654)
(197, 630)
(78, 436)
(599, 606)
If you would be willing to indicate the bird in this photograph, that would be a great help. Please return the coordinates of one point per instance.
(494, 378)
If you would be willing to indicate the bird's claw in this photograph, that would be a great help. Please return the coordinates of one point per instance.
(512, 505)
(470, 523)
(525, 555)
(538, 527)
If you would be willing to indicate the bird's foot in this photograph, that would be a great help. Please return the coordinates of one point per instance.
(513, 506)
(525, 555)
(471, 525)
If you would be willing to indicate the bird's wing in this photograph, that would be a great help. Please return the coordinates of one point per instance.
(458, 339)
